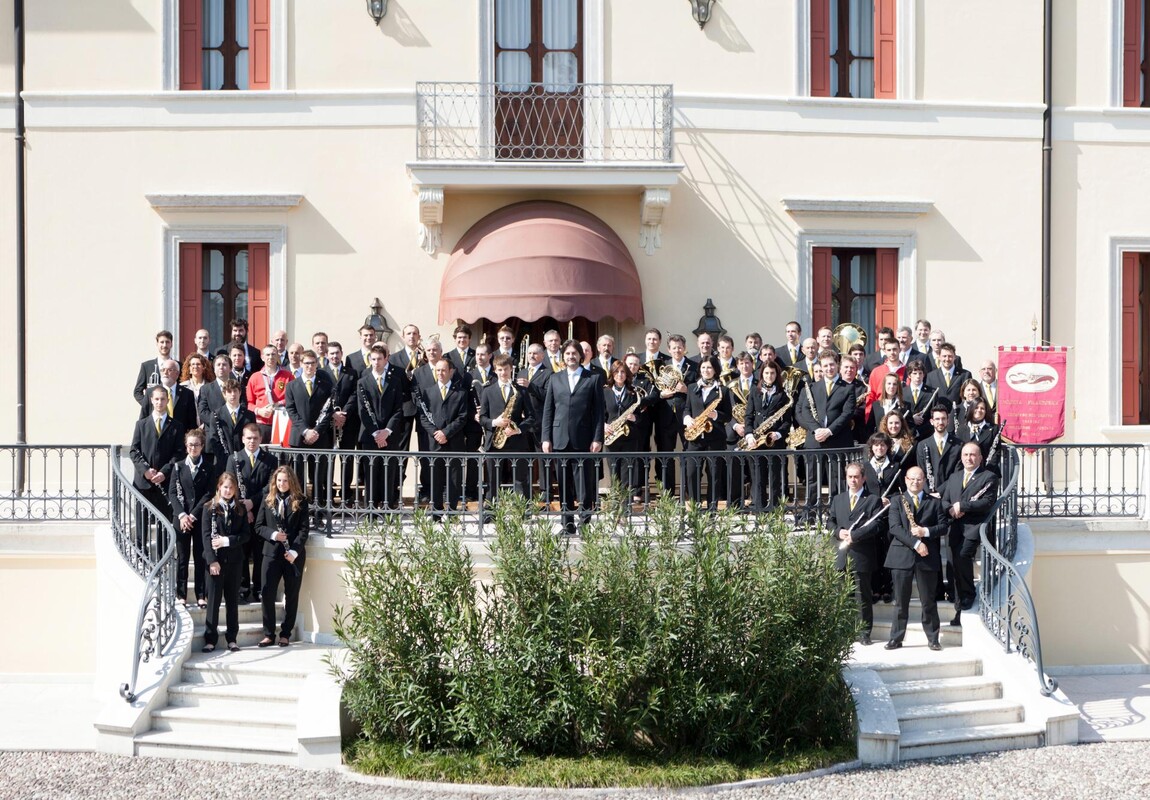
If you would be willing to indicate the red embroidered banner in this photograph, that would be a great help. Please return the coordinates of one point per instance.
(1032, 393)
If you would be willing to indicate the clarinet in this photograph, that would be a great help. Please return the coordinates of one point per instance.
(281, 524)
(366, 403)
(846, 543)
(929, 471)
(994, 447)
(423, 409)
(324, 412)
(240, 478)
(180, 491)
(909, 513)
(222, 438)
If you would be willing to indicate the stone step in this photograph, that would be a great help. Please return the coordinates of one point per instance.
(209, 745)
(894, 671)
(248, 612)
(962, 741)
(248, 635)
(215, 669)
(944, 690)
(268, 723)
(966, 714)
(250, 697)
(948, 636)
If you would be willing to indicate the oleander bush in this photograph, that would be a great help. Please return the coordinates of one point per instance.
(709, 634)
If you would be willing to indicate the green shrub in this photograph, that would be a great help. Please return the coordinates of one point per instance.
(702, 633)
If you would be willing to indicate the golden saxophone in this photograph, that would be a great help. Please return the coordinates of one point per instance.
(762, 433)
(511, 429)
(702, 423)
(621, 430)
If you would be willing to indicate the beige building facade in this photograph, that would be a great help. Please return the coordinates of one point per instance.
(360, 162)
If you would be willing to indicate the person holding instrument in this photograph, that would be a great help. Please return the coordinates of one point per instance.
(224, 533)
(282, 525)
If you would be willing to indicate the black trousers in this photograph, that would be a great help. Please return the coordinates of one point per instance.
(865, 599)
(276, 568)
(696, 462)
(446, 479)
(668, 434)
(188, 545)
(962, 553)
(768, 482)
(926, 580)
(578, 479)
(629, 472)
(504, 467)
(226, 587)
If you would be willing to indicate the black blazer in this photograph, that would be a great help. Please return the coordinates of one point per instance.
(573, 420)
(304, 412)
(234, 525)
(357, 362)
(536, 388)
(224, 438)
(878, 480)
(465, 364)
(148, 370)
(211, 399)
(834, 412)
(448, 414)
(195, 491)
(783, 355)
(761, 408)
(863, 554)
(677, 403)
(930, 514)
(377, 411)
(613, 408)
(716, 438)
(984, 484)
(936, 379)
(491, 405)
(183, 407)
(926, 399)
(152, 451)
(294, 524)
(943, 465)
(346, 401)
(253, 480)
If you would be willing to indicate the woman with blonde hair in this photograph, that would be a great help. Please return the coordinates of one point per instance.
(195, 373)
(283, 525)
(225, 529)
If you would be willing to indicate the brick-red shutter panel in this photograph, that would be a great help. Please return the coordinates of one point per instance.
(1132, 53)
(259, 258)
(259, 44)
(1131, 335)
(885, 50)
(820, 289)
(886, 288)
(191, 298)
(191, 61)
(820, 48)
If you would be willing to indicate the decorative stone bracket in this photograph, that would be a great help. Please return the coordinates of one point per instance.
(430, 218)
(654, 204)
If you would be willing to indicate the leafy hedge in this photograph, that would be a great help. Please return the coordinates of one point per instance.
(706, 633)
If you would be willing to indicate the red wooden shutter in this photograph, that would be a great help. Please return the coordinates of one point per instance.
(259, 44)
(820, 288)
(885, 50)
(1132, 53)
(1131, 335)
(191, 298)
(259, 259)
(191, 63)
(886, 287)
(820, 48)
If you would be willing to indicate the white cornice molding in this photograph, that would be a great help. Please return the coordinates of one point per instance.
(857, 208)
(541, 175)
(1101, 125)
(224, 202)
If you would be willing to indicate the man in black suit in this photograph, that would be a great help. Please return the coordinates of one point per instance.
(448, 403)
(251, 354)
(573, 414)
(410, 355)
(968, 497)
(380, 394)
(181, 399)
(505, 337)
(475, 381)
(917, 524)
(345, 420)
(855, 519)
(880, 355)
(156, 441)
(553, 357)
(190, 486)
(462, 357)
(789, 353)
(948, 377)
(938, 453)
(809, 360)
(533, 380)
(310, 403)
(211, 395)
(494, 401)
(669, 413)
(253, 467)
(828, 428)
(422, 377)
(605, 358)
(225, 427)
(358, 362)
(150, 370)
(933, 356)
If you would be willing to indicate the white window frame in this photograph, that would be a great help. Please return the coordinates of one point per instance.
(171, 65)
(275, 236)
(905, 241)
(905, 70)
(1112, 367)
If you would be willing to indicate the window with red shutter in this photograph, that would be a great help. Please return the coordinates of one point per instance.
(854, 284)
(1135, 339)
(225, 44)
(219, 283)
(853, 48)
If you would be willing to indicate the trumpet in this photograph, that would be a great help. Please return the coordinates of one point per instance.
(418, 358)
(523, 351)
(702, 423)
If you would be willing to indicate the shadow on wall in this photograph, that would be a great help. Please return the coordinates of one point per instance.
(399, 25)
(81, 15)
(312, 234)
(723, 31)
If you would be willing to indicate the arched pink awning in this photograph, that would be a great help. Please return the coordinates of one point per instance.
(540, 259)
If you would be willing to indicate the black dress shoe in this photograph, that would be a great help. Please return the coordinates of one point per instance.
(967, 605)
(892, 645)
(935, 646)
(864, 640)
(956, 622)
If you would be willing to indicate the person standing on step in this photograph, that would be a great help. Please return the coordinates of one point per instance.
(189, 488)
(855, 519)
(282, 526)
(917, 524)
(253, 466)
(969, 495)
(225, 531)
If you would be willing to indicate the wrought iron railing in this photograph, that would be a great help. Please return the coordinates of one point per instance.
(55, 482)
(1082, 480)
(1005, 603)
(147, 541)
(356, 487)
(578, 122)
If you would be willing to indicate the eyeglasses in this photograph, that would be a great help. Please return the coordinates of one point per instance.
(310, 363)
(194, 444)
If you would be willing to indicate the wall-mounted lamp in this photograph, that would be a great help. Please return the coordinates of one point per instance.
(709, 323)
(379, 322)
(378, 10)
(701, 11)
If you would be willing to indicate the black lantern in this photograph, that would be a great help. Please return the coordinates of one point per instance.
(709, 323)
(378, 10)
(701, 11)
(378, 321)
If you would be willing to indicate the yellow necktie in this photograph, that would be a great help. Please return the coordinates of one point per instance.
(915, 499)
(252, 459)
(946, 376)
(829, 385)
(172, 404)
(504, 390)
(443, 392)
(965, 479)
(990, 394)
(336, 371)
(939, 446)
(914, 394)
(233, 418)
(308, 386)
(379, 383)
(157, 427)
(854, 498)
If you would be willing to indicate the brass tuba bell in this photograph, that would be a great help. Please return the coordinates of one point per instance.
(847, 335)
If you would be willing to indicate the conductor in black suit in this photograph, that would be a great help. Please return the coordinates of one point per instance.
(448, 402)
(968, 496)
(855, 521)
(573, 423)
(917, 524)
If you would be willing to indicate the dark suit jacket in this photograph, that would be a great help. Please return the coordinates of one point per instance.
(183, 409)
(345, 400)
(863, 553)
(678, 402)
(356, 363)
(211, 399)
(760, 409)
(224, 438)
(921, 406)
(716, 438)
(195, 491)
(943, 465)
(491, 405)
(380, 411)
(295, 525)
(253, 480)
(983, 483)
(304, 411)
(254, 360)
(148, 370)
(783, 355)
(152, 451)
(936, 379)
(234, 525)
(461, 364)
(573, 420)
(930, 514)
(448, 414)
(834, 412)
(878, 480)
(536, 388)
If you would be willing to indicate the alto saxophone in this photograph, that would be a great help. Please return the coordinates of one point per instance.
(702, 423)
(511, 429)
(621, 430)
(762, 433)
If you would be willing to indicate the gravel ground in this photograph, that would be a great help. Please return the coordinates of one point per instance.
(1095, 771)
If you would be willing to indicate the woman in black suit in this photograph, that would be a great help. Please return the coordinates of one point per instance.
(282, 523)
(225, 530)
(620, 396)
(768, 400)
(881, 473)
(700, 397)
